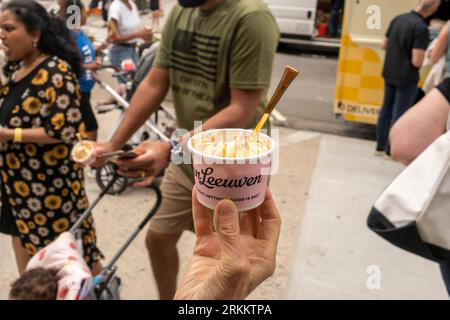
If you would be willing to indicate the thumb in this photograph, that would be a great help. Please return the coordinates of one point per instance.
(227, 226)
(234, 269)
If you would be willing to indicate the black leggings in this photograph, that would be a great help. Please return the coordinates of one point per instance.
(444, 88)
(7, 221)
(86, 112)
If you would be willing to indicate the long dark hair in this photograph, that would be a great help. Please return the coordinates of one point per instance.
(55, 37)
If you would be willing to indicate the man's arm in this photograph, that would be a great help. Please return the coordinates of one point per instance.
(145, 101)
(114, 36)
(240, 113)
(419, 127)
(421, 38)
(384, 43)
(418, 57)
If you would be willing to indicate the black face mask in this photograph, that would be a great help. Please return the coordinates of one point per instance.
(191, 3)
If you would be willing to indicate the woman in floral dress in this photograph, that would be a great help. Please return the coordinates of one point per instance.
(42, 188)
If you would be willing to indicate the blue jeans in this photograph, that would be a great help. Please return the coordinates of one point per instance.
(93, 4)
(445, 271)
(119, 53)
(397, 100)
(334, 22)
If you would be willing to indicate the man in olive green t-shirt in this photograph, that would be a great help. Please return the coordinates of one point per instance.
(217, 57)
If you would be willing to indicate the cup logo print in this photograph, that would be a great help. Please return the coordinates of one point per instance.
(205, 178)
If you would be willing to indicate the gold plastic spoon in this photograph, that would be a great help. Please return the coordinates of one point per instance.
(288, 76)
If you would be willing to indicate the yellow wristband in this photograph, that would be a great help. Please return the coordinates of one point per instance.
(17, 135)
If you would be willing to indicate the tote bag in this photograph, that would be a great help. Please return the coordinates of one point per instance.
(413, 212)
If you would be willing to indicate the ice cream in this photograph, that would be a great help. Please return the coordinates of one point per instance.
(231, 144)
(82, 151)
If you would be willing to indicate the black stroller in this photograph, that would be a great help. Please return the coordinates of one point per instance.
(106, 285)
(159, 127)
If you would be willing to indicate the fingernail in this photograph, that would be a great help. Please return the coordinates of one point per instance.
(226, 208)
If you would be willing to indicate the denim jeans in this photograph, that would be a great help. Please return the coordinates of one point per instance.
(334, 22)
(119, 53)
(397, 100)
(93, 4)
(445, 271)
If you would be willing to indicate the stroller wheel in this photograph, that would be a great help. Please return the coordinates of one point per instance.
(105, 174)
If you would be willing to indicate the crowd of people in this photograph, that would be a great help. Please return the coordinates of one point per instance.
(142, 5)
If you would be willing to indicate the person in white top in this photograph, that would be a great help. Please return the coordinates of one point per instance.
(124, 30)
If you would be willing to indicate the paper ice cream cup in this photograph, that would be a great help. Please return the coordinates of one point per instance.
(82, 153)
(243, 180)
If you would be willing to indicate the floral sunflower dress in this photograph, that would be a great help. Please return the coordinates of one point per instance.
(42, 188)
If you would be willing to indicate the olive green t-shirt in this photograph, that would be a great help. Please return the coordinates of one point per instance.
(210, 53)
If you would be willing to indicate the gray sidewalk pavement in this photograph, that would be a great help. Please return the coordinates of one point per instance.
(336, 253)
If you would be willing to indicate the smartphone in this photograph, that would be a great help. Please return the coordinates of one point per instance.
(118, 155)
(127, 155)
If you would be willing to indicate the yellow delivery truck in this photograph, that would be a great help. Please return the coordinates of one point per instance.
(359, 85)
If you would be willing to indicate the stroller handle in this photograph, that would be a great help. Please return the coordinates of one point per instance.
(86, 213)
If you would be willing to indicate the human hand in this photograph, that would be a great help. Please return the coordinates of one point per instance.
(111, 37)
(231, 262)
(153, 157)
(94, 66)
(145, 34)
(102, 46)
(99, 149)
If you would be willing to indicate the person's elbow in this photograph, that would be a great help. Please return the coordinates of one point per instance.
(401, 148)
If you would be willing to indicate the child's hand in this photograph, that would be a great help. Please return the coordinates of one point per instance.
(103, 46)
(94, 66)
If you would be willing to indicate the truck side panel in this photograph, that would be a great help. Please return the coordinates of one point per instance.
(359, 85)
